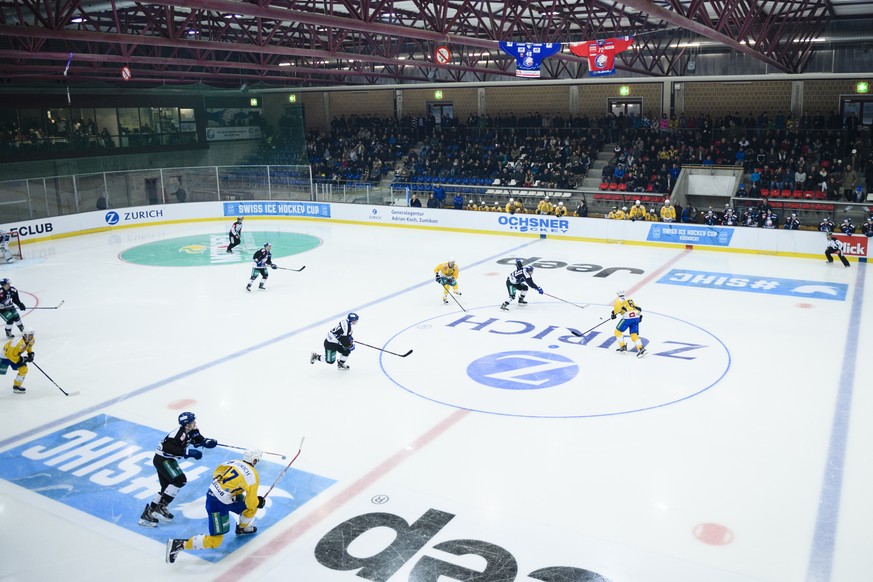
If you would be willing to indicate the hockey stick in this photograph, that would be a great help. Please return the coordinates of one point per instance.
(565, 301)
(452, 295)
(53, 382)
(582, 333)
(386, 351)
(287, 269)
(56, 307)
(288, 466)
(283, 457)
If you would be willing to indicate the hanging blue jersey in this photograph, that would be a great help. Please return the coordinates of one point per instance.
(529, 56)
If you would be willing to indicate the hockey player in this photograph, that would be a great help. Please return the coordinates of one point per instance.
(446, 274)
(234, 234)
(17, 354)
(5, 237)
(637, 212)
(339, 339)
(234, 489)
(178, 444)
(631, 316)
(835, 247)
(9, 300)
(260, 260)
(668, 212)
(520, 280)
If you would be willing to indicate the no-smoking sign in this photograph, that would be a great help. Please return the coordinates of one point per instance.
(442, 55)
(125, 73)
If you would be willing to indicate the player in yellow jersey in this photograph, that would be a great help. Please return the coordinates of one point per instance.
(637, 212)
(631, 316)
(17, 353)
(234, 489)
(446, 274)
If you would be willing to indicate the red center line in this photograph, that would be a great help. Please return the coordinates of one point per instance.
(288, 536)
(657, 272)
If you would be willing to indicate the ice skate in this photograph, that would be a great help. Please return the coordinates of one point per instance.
(314, 357)
(622, 348)
(641, 351)
(9, 334)
(341, 366)
(161, 512)
(445, 300)
(173, 549)
(245, 531)
(249, 287)
(522, 301)
(261, 286)
(505, 306)
(19, 390)
(147, 519)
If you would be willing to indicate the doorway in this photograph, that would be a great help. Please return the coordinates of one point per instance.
(629, 107)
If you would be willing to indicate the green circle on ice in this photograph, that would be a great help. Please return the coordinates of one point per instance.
(211, 249)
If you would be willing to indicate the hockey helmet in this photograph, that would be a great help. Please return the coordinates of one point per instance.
(451, 261)
(186, 418)
(353, 317)
(621, 293)
(240, 218)
(4, 282)
(28, 332)
(266, 245)
(252, 456)
(529, 269)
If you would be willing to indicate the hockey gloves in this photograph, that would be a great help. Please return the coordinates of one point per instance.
(29, 357)
(209, 443)
(262, 501)
(612, 316)
(193, 454)
(540, 290)
(274, 266)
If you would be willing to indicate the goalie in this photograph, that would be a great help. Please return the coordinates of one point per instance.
(5, 237)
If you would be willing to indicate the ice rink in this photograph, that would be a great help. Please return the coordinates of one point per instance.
(737, 449)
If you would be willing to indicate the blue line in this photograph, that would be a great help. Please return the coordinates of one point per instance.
(821, 559)
(76, 415)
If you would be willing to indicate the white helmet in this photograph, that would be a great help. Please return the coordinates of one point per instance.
(620, 293)
(667, 201)
(637, 203)
(28, 331)
(451, 260)
(624, 208)
(252, 456)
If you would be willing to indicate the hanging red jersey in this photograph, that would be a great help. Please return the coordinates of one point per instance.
(601, 53)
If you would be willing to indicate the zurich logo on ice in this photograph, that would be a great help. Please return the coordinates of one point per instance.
(111, 218)
(522, 370)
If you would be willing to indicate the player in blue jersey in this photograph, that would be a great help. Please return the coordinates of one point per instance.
(631, 316)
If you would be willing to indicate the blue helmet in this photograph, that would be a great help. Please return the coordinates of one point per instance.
(528, 269)
(267, 245)
(186, 418)
(353, 317)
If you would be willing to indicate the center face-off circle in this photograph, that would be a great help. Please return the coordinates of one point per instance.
(527, 362)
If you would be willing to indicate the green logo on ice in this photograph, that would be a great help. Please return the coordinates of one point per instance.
(211, 249)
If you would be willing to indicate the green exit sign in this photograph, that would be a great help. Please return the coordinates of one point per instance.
(624, 90)
(253, 101)
(292, 98)
(862, 87)
(437, 94)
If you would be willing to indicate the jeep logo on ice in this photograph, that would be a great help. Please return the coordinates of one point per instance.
(522, 370)
(379, 563)
(111, 218)
(540, 263)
